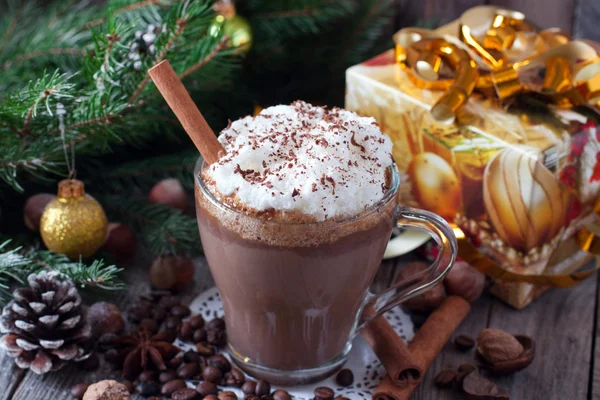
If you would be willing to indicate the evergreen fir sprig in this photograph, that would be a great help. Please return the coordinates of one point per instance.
(16, 264)
(108, 98)
(163, 229)
(143, 174)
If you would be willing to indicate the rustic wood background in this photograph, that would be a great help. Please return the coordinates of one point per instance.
(563, 322)
(580, 17)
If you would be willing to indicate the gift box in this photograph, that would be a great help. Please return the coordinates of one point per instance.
(495, 128)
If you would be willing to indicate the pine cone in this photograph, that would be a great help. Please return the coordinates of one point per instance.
(44, 324)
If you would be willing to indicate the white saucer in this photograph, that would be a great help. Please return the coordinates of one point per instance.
(367, 369)
(405, 242)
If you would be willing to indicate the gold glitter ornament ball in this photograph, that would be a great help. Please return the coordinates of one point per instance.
(73, 224)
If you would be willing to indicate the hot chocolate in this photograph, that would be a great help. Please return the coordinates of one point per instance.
(294, 220)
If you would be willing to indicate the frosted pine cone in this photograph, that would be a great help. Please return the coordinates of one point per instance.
(44, 325)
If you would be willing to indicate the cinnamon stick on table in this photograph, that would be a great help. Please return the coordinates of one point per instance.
(427, 344)
(392, 351)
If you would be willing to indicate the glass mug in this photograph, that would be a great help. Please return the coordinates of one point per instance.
(294, 293)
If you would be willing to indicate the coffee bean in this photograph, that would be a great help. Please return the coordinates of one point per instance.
(128, 385)
(78, 390)
(187, 370)
(216, 337)
(159, 313)
(235, 377)
(262, 388)
(251, 397)
(154, 398)
(249, 387)
(463, 371)
(166, 376)
(165, 336)
(186, 332)
(445, 378)
(341, 398)
(202, 363)
(212, 374)
(148, 388)
(266, 397)
(345, 377)
(180, 311)
(466, 368)
(281, 394)
(169, 301)
(91, 363)
(172, 322)
(323, 393)
(219, 361)
(205, 349)
(464, 342)
(211, 397)
(217, 323)
(114, 357)
(199, 335)
(185, 394)
(227, 395)
(205, 388)
(107, 341)
(191, 356)
(172, 386)
(147, 376)
(196, 321)
(176, 361)
(149, 324)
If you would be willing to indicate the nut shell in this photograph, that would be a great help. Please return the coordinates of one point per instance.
(522, 361)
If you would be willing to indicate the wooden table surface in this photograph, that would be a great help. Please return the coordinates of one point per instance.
(562, 321)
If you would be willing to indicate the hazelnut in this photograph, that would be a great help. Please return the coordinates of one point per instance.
(496, 345)
(107, 390)
(169, 192)
(427, 301)
(171, 272)
(465, 281)
(105, 318)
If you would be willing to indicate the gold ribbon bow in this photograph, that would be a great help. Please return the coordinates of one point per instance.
(489, 50)
(492, 51)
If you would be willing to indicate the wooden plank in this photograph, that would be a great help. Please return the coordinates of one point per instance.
(450, 357)
(57, 386)
(561, 322)
(595, 375)
(545, 13)
(10, 376)
(443, 11)
(585, 21)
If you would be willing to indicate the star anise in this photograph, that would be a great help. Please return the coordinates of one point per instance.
(143, 351)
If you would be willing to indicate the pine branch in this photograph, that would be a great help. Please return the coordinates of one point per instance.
(16, 264)
(143, 174)
(283, 20)
(105, 100)
(163, 229)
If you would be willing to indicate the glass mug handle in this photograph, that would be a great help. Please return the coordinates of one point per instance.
(441, 232)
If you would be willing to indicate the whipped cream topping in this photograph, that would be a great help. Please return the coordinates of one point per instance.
(323, 163)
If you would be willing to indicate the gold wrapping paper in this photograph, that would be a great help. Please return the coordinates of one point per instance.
(519, 179)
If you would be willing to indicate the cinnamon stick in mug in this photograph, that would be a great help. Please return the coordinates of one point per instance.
(392, 351)
(427, 344)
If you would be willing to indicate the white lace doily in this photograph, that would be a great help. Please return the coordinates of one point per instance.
(365, 366)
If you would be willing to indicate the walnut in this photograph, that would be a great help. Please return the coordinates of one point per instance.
(495, 345)
(107, 390)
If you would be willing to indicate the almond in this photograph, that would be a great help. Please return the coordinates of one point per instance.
(496, 345)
